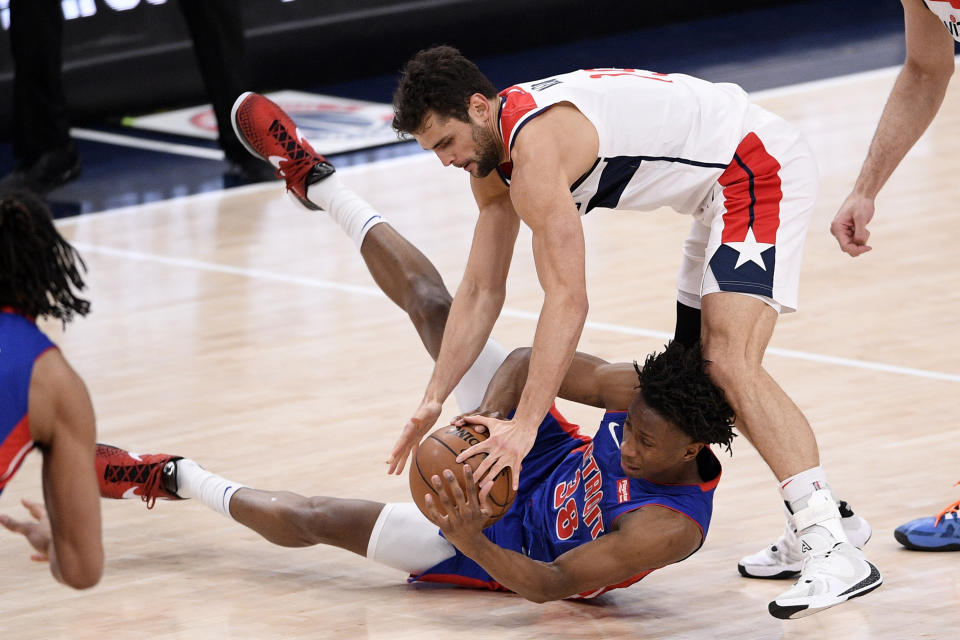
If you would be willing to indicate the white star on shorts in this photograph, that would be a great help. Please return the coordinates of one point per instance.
(749, 250)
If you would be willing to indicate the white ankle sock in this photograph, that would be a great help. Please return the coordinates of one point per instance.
(469, 392)
(193, 481)
(796, 489)
(354, 214)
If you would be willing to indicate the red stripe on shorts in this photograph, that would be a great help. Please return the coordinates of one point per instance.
(751, 181)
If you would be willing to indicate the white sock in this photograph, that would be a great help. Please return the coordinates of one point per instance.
(469, 392)
(193, 481)
(796, 489)
(354, 214)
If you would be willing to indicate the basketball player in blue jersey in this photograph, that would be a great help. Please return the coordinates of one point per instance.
(545, 152)
(590, 515)
(932, 27)
(43, 402)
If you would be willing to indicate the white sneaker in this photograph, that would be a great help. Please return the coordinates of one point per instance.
(828, 578)
(784, 559)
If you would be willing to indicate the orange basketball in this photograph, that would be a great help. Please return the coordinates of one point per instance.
(439, 451)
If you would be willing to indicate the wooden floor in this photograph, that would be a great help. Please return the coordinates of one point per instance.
(238, 330)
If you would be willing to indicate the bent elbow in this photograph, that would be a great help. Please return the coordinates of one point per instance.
(540, 597)
(83, 574)
(82, 579)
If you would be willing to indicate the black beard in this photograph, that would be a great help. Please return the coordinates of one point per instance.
(488, 155)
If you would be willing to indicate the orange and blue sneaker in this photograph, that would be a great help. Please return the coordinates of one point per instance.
(123, 474)
(933, 533)
(270, 134)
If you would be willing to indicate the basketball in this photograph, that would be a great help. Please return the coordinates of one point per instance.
(439, 451)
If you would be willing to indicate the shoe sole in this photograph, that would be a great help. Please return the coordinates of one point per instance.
(905, 541)
(775, 576)
(236, 129)
(792, 612)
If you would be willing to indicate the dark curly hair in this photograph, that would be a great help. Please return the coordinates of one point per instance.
(438, 79)
(38, 267)
(675, 384)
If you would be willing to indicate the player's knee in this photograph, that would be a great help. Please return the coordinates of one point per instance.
(315, 518)
(430, 302)
(726, 368)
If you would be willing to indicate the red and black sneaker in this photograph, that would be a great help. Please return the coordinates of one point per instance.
(124, 474)
(271, 135)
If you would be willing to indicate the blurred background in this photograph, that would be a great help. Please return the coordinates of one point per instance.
(127, 60)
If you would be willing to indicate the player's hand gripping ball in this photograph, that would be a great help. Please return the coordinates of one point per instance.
(439, 451)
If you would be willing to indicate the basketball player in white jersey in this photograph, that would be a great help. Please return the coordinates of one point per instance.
(931, 27)
(549, 151)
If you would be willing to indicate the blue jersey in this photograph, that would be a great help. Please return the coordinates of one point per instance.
(21, 343)
(572, 489)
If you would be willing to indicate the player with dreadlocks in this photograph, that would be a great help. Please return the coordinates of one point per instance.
(43, 402)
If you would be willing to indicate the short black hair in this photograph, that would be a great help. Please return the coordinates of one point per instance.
(675, 384)
(39, 269)
(438, 79)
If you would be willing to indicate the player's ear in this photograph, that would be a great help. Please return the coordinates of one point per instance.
(691, 450)
(479, 107)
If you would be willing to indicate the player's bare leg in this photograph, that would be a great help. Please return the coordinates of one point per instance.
(410, 280)
(292, 520)
(735, 333)
(394, 534)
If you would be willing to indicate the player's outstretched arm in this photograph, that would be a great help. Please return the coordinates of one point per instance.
(913, 102)
(642, 540)
(549, 154)
(62, 423)
(589, 380)
(473, 312)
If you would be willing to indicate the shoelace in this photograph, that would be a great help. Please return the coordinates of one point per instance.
(299, 160)
(145, 475)
(812, 563)
(952, 508)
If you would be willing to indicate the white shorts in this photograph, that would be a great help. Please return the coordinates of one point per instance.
(748, 235)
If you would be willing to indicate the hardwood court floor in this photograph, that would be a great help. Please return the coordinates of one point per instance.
(238, 330)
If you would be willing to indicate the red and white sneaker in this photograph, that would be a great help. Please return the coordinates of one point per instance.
(271, 135)
(124, 474)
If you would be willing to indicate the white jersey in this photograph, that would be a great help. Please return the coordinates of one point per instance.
(948, 11)
(664, 138)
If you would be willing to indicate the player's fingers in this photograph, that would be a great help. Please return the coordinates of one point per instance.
(469, 452)
(485, 488)
(398, 458)
(484, 467)
(444, 496)
(860, 232)
(13, 525)
(433, 513)
(455, 489)
(479, 419)
(471, 485)
(35, 508)
(40, 557)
